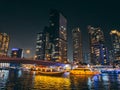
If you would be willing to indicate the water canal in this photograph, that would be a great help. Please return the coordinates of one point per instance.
(26, 80)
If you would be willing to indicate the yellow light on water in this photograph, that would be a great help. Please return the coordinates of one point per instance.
(49, 83)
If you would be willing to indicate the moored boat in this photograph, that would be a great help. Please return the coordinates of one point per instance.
(84, 71)
(51, 73)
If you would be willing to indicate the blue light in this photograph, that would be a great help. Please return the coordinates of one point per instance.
(15, 49)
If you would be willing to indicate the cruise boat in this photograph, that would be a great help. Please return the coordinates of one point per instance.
(84, 71)
(50, 72)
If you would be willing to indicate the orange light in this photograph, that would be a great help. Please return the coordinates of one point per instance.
(27, 51)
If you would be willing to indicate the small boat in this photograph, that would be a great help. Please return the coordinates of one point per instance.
(50, 72)
(84, 71)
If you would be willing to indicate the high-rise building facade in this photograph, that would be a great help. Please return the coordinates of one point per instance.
(40, 46)
(4, 44)
(77, 46)
(115, 36)
(86, 58)
(98, 50)
(52, 42)
(111, 56)
(17, 53)
(58, 36)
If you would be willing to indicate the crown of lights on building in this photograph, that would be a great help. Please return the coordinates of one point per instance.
(115, 32)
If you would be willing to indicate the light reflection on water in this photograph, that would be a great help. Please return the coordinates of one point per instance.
(25, 80)
(48, 82)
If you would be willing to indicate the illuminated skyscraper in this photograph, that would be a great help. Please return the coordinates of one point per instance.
(115, 36)
(52, 42)
(58, 36)
(98, 51)
(40, 46)
(4, 44)
(77, 45)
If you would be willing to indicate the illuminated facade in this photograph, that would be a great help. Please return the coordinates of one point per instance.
(4, 44)
(57, 36)
(98, 51)
(40, 46)
(86, 58)
(115, 36)
(17, 53)
(48, 45)
(52, 42)
(111, 56)
(77, 45)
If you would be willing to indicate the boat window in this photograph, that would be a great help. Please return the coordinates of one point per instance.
(87, 69)
(48, 70)
(82, 69)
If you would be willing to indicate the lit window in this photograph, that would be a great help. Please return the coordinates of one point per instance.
(38, 46)
(37, 49)
(52, 24)
(61, 26)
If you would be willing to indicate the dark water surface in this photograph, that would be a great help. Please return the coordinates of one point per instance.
(26, 80)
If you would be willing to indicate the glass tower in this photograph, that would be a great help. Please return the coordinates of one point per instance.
(40, 46)
(52, 42)
(58, 36)
(98, 50)
(4, 44)
(115, 36)
(77, 46)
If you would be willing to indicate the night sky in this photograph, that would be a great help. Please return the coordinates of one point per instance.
(23, 19)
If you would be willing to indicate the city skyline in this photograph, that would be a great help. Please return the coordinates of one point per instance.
(22, 20)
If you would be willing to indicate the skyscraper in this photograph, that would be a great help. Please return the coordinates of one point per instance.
(4, 44)
(115, 36)
(98, 50)
(40, 46)
(52, 42)
(58, 36)
(77, 46)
